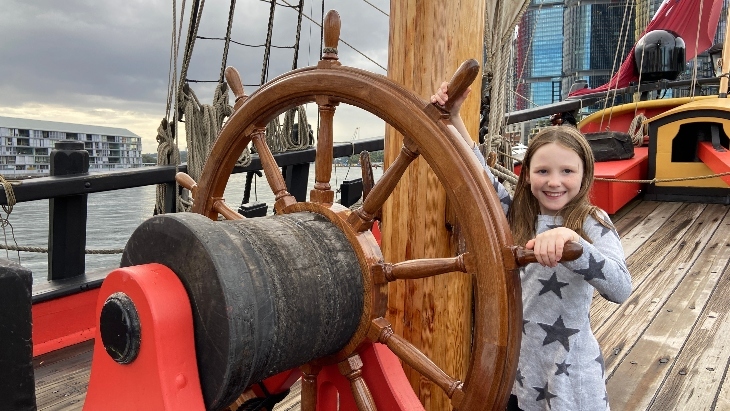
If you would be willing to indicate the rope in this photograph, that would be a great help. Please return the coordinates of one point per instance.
(267, 49)
(279, 136)
(619, 46)
(636, 129)
(9, 195)
(45, 250)
(4, 220)
(376, 8)
(662, 180)
(342, 41)
(694, 66)
(202, 125)
(227, 40)
(167, 153)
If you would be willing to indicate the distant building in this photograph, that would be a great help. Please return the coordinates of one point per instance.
(25, 145)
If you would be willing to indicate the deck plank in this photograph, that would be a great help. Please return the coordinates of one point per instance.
(629, 217)
(723, 398)
(699, 369)
(62, 377)
(641, 372)
(663, 233)
(629, 320)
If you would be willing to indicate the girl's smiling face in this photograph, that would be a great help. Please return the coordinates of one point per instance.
(555, 177)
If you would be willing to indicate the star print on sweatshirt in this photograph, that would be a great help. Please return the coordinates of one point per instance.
(561, 366)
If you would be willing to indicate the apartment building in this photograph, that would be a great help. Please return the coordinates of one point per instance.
(25, 146)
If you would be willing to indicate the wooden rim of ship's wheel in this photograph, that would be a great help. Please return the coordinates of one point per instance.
(490, 260)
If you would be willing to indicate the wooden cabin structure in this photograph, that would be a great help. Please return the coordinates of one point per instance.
(689, 142)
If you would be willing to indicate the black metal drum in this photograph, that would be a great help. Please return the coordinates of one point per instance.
(267, 294)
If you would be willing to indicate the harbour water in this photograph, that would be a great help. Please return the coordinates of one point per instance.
(114, 215)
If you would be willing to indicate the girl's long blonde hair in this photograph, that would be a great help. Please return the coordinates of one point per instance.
(525, 208)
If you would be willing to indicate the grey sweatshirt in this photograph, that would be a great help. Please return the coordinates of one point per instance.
(560, 365)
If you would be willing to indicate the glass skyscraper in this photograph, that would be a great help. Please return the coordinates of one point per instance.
(561, 41)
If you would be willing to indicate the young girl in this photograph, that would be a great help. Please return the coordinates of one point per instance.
(560, 365)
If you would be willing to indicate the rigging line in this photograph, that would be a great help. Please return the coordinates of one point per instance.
(376, 8)
(299, 33)
(267, 50)
(697, 41)
(618, 47)
(643, 49)
(344, 42)
(309, 43)
(527, 53)
(174, 75)
(189, 80)
(170, 77)
(279, 4)
(244, 44)
(227, 39)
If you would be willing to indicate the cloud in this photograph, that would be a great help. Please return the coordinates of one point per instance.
(107, 63)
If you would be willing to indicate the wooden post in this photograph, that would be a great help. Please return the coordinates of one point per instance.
(429, 39)
(67, 215)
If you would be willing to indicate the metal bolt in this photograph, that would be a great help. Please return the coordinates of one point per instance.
(663, 360)
(87, 184)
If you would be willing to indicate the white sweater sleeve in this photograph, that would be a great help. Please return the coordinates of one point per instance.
(603, 263)
(502, 193)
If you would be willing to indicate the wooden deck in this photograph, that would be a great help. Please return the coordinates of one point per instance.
(666, 348)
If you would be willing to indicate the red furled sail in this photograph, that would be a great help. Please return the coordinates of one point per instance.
(695, 21)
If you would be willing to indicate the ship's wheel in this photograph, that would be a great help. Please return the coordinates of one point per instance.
(489, 260)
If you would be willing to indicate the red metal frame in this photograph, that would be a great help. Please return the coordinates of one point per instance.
(164, 376)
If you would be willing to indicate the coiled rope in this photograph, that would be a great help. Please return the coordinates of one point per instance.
(636, 129)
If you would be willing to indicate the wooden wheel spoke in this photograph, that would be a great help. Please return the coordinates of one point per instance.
(421, 268)
(351, 368)
(234, 82)
(309, 387)
(368, 180)
(225, 210)
(322, 192)
(523, 256)
(282, 198)
(362, 218)
(381, 331)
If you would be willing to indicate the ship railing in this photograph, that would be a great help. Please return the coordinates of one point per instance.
(68, 187)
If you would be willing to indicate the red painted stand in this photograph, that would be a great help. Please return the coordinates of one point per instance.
(611, 196)
(717, 161)
(384, 376)
(164, 376)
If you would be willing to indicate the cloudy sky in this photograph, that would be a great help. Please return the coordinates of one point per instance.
(107, 62)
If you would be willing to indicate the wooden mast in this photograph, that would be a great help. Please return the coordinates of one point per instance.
(428, 41)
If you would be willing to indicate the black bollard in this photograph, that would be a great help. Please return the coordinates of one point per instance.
(67, 215)
(17, 384)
